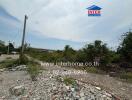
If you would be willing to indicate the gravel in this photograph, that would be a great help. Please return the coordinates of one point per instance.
(17, 85)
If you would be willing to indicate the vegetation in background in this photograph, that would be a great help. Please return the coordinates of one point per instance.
(115, 61)
(125, 49)
(127, 76)
(11, 46)
(3, 48)
(109, 60)
(69, 54)
(46, 56)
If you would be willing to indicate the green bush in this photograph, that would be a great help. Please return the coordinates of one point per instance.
(69, 81)
(92, 69)
(23, 60)
(8, 64)
(127, 76)
(33, 69)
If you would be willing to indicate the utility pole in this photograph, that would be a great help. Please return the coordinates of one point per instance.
(23, 38)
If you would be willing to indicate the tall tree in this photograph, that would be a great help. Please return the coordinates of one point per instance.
(91, 52)
(125, 49)
(2, 46)
(69, 53)
(11, 47)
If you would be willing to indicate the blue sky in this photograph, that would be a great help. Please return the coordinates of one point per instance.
(54, 23)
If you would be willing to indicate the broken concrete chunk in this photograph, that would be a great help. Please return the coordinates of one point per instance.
(98, 88)
(17, 90)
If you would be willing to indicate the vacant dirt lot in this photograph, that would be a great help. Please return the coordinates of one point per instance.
(4, 57)
(92, 85)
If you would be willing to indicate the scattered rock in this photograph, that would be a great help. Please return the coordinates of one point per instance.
(98, 88)
(17, 90)
(54, 88)
(112, 74)
(21, 67)
(47, 87)
(2, 70)
(72, 89)
(24, 98)
(109, 95)
(82, 94)
(67, 87)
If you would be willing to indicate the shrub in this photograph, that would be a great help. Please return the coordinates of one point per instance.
(23, 60)
(92, 69)
(33, 69)
(69, 81)
(127, 76)
(8, 64)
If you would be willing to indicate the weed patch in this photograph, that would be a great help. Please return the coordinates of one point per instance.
(33, 69)
(69, 81)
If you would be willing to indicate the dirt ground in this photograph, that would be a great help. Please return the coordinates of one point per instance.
(4, 57)
(120, 89)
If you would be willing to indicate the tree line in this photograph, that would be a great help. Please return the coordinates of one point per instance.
(4, 48)
(91, 52)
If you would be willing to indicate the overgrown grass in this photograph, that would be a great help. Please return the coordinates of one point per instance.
(23, 60)
(92, 70)
(69, 81)
(8, 63)
(127, 76)
(33, 69)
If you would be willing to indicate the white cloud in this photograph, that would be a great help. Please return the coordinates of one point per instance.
(68, 20)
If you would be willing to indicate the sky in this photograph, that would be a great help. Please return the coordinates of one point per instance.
(52, 24)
